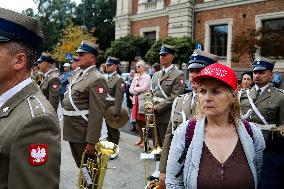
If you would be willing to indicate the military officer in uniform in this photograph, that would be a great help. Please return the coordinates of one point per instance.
(263, 104)
(166, 85)
(116, 89)
(183, 107)
(84, 104)
(50, 86)
(29, 128)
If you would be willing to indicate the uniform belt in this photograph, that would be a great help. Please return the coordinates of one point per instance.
(75, 113)
(110, 99)
(158, 99)
(266, 127)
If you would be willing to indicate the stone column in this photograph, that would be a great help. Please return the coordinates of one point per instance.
(122, 18)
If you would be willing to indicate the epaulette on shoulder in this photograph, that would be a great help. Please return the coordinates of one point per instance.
(35, 106)
(279, 90)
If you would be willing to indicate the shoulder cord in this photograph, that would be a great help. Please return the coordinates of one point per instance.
(255, 108)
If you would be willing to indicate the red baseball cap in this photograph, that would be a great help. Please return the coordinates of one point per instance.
(220, 72)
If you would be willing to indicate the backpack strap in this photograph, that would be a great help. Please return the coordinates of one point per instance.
(248, 128)
(188, 138)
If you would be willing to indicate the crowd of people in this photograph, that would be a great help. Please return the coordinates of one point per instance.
(219, 135)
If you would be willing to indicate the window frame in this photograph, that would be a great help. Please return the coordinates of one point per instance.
(151, 29)
(229, 21)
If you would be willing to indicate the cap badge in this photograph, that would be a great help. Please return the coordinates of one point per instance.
(38, 154)
(258, 62)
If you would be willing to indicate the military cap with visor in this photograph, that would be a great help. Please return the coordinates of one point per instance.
(89, 47)
(20, 28)
(112, 60)
(218, 72)
(167, 49)
(44, 57)
(262, 64)
(200, 59)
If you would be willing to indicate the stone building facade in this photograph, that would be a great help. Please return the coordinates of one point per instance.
(214, 23)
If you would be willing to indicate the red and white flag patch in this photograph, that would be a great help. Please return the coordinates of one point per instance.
(101, 90)
(181, 81)
(38, 154)
(55, 86)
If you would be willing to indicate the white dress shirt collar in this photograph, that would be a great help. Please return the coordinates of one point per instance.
(14, 90)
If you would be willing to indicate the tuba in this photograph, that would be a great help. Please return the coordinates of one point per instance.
(93, 167)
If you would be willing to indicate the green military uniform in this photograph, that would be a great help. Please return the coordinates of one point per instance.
(28, 121)
(270, 104)
(116, 89)
(88, 93)
(184, 108)
(172, 84)
(50, 88)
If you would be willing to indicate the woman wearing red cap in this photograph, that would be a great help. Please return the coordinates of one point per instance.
(216, 149)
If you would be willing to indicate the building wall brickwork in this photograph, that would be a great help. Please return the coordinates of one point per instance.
(162, 22)
(243, 18)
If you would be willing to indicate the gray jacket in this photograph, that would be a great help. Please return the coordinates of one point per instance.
(253, 150)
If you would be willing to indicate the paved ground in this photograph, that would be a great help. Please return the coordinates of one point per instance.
(129, 171)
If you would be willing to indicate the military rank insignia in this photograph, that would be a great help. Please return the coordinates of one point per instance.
(38, 154)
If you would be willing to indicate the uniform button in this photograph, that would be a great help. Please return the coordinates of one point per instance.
(269, 102)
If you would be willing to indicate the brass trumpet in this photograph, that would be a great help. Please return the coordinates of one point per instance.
(93, 167)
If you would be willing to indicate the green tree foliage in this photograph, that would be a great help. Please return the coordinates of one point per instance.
(269, 42)
(184, 48)
(28, 12)
(97, 16)
(73, 35)
(53, 16)
(128, 47)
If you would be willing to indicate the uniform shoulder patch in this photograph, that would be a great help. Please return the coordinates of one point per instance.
(279, 90)
(35, 106)
(38, 154)
(101, 89)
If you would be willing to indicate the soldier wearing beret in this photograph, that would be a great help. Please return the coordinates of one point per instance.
(183, 107)
(84, 104)
(263, 104)
(166, 85)
(116, 89)
(29, 128)
(50, 86)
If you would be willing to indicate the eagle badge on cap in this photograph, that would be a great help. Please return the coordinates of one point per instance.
(38, 154)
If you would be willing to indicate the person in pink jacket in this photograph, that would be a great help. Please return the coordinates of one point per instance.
(139, 85)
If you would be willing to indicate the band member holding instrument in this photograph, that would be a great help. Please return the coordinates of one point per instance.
(116, 89)
(184, 106)
(29, 129)
(263, 104)
(84, 104)
(166, 85)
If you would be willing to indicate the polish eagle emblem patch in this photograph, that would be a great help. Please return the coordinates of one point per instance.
(38, 154)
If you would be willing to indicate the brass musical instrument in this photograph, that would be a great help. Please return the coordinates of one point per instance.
(116, 124)
(151, 123)
(93, 167)
(154, 184)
